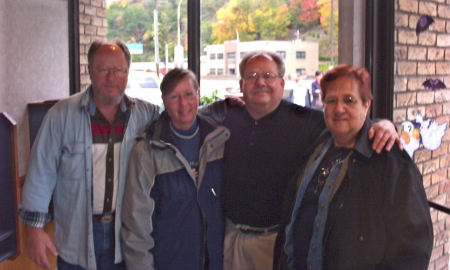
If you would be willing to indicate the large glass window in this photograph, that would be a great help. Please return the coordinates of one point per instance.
(299, 31)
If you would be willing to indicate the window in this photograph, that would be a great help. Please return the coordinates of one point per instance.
(282, 54)
(300, 71)
(300, 55)
(220, 71)
(207, 36)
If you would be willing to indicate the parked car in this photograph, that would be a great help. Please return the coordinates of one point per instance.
(144, 85)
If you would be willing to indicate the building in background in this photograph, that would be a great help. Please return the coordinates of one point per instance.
(301, 58)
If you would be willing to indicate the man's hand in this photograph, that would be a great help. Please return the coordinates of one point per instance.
(236, 101)
(384, 135)
(38, 242)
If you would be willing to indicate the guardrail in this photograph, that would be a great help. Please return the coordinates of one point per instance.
(439, 207)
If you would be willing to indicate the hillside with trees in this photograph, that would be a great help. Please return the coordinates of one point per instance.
(133, 22)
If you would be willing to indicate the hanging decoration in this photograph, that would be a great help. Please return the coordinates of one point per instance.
(434, 84)
(422, 132)
(423, 23)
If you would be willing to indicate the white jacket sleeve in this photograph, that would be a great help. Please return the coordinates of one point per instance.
(137, 210)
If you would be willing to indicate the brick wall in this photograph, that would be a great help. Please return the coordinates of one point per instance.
(416, 59)
(93, 26)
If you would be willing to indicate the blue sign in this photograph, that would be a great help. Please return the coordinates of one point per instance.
(135, 48)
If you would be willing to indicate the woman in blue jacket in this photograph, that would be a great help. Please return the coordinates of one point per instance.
(172, 217)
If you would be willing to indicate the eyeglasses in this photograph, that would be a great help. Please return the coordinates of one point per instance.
(346, 101)
(268, 77)
(117, 71)
(175, 98)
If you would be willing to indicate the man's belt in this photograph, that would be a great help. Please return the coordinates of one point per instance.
(107, 218)
(256, 230)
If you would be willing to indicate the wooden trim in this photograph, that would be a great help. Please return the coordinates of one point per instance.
(74, 45)
(15, 175)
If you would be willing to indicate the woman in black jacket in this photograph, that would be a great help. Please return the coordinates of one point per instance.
(352, 208)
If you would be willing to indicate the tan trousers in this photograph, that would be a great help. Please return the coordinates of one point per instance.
(248, 251)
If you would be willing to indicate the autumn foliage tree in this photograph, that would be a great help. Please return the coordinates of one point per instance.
(325, 19)
(305, 13)
(252, 19)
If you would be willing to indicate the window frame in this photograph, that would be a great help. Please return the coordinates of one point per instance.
(300, 54)
(379, 49)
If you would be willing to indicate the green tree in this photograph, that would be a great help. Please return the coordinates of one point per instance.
(133, 22)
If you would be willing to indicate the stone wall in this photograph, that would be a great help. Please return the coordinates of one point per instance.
(417, 58)
(93, 26)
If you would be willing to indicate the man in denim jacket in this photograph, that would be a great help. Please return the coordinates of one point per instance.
(80, 158)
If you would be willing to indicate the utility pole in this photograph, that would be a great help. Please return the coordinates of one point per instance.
(332, 34)
(237, 54)
(166, 58)
(178, 50)
(155, 27)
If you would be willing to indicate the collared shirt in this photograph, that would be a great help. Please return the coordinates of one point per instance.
(106, 143)
(261, 157)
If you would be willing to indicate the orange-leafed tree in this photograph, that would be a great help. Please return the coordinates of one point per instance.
(305, 13)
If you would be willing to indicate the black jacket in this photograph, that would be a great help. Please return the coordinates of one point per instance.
(379, 217)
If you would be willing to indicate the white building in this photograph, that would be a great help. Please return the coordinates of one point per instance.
(299, 57)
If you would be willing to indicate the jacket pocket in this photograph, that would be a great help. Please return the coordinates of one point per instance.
(72, 166)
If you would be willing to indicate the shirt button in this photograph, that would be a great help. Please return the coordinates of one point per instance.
(361, 238)
(109, 179)
(318, 225)
(322, 205)
(313, 246)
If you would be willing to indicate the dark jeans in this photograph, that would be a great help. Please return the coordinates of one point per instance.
(104, 249)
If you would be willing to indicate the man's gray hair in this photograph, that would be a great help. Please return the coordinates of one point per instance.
(270, 55)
